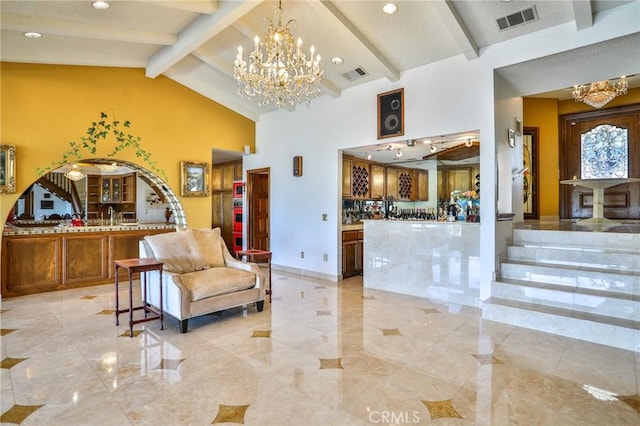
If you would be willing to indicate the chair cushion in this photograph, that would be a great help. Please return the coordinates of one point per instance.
(209, 241)
(216, 281)
(178, 251)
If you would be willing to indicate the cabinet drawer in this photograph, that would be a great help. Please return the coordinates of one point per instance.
(349, 236)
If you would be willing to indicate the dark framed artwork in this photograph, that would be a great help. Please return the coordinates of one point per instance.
(46, 204)
(7, 169)
(195, 179)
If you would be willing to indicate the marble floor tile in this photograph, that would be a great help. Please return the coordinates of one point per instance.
(322, 353)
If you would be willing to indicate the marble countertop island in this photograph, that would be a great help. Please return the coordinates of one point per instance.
(436, 260)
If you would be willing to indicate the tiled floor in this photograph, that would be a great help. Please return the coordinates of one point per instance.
(322, 353)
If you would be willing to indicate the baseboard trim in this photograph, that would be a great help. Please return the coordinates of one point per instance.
(305, 273)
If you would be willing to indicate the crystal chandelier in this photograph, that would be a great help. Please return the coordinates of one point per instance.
(278, 72)
(74, 173)
(599, 93)
(108, 168)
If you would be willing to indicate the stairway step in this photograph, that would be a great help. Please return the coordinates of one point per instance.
(584, 277)
(622, 242)
(609, 303)
(601, 329)
(576, 257)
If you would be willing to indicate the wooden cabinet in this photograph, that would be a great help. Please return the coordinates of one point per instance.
(57, 261)
(378, 180)
(224, 174)
(117, 191)
(400, 184)
(391, 183)
(352, 252)
(222, 215)
(422, 185)
(452, 178)
(347, 165)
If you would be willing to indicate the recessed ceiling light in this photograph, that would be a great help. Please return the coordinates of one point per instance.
(32, 34)
(398, 154)
(100, 5)
(337, 60)
(390, 8)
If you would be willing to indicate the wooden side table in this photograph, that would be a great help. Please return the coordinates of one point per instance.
(260, 257)
(142, 266)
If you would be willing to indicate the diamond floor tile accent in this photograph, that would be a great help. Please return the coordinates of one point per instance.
(169, 364)
(231, 414)
(136, 333)
(327, 363)
(106, 312)
(486, 359)
(88, 297)
(5, 331)
(18, 413)
(261, 333)
(441, 409)
(632, 401)
(390, 332)
(10, 362)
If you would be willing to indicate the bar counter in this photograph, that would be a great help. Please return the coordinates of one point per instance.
(436, 260)
(37, 259)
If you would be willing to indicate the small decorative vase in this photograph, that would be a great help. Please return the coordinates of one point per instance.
(167, 214)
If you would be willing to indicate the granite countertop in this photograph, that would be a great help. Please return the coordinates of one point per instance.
(10, 229)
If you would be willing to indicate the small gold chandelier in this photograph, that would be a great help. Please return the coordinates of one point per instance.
(600, 93)
(278, 72)
(74, 173)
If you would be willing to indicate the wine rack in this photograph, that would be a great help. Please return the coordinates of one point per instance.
(405, 181)
(360, 181)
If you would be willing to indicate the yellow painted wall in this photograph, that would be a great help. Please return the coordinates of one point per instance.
(543, 113)
(46, 106)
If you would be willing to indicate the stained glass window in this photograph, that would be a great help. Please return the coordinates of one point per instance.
(605, 153)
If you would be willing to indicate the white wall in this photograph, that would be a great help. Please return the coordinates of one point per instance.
(453, 95)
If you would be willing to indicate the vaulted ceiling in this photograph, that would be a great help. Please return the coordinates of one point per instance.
(195, 42)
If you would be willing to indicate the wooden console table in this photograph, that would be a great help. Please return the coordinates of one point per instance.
(142, 266)
(258, 256)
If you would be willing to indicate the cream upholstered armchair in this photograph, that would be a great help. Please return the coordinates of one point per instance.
(199, 275)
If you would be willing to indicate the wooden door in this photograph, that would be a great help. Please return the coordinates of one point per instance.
(621, 201)
(258, 220)
(530, 181)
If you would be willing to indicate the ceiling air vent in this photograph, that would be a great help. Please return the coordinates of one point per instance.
(518, 18)
(355, 74)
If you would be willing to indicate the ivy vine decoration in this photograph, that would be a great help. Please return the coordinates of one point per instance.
(100, 130)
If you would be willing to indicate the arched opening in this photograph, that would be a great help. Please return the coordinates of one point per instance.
(33, 204)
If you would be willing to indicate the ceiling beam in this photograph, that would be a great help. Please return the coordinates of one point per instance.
(582, 13)
(390, 70)
(203, 28)
(457, 29)
(199, 6)
(58, 27)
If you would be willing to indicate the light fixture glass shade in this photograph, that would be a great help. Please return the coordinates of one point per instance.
(277, 71)
(600, 93)
(108, 168)
(74, 173)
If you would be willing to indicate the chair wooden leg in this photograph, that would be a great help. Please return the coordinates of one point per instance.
(260, 305)
(183, 325)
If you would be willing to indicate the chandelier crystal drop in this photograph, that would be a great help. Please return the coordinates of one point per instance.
(277, 71)
(74, 173)
(108, 168)
(600, 93)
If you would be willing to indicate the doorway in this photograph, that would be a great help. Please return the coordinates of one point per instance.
(530, 176)
(258, 210)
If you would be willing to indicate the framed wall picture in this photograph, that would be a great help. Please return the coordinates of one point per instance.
(46, 204)
(7, 169)
(195, 179)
